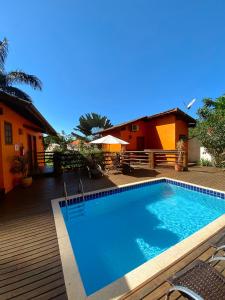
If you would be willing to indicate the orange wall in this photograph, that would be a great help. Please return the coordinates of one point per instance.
(129, 136)
(159, 133)
(181, 129)
(111, 148)
(7, 152)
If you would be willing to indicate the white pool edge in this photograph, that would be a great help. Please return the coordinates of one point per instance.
(118, 288)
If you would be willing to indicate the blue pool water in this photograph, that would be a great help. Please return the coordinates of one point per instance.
(120, 232)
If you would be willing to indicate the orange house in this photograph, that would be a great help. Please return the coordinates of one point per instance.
(21, 131)
(160, 131)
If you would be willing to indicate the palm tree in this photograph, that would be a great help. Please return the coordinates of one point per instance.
(89, 124)
(211, 105)
(8, 79)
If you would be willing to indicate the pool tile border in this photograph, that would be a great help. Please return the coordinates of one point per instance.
(150, 269)
(115, 190)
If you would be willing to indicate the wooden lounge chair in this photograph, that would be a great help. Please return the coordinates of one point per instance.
(198, 281)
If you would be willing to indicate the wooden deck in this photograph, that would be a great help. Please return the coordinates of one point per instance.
(30, 265)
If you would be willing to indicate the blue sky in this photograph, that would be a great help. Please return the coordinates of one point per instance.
(120, 58)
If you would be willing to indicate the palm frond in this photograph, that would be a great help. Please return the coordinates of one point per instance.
(3, 53)
(16, 92)
(3, 80)
(18, 77)
(80, 137)
(208, 102)
(91, 123)
(84, 129)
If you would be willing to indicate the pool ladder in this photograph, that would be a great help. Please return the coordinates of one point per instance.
(78, 209)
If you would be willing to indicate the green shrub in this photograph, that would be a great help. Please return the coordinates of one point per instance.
(205, 162)
(92, 153)
(210, 128)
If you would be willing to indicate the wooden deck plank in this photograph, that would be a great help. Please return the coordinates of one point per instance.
(58, 293)
(37, 230)
(27, 247)
(27, 232)
(32, 267)
(35, 288)
(24, 264)
(19, 231)
(27, 254)
(29, 258)
(30, 279)
(28, 239)
(29, 274)
(20, 223)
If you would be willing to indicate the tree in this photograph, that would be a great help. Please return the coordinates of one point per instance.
(61, 139)
(210, 128)
(9, 79)
(211, 105)
(89, 124)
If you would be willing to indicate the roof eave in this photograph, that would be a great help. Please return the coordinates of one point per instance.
(10, 101)
(174, 111)
(48, 128)
(121, 125)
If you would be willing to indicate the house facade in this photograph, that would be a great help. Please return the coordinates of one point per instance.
(160, 131)
(21, 132)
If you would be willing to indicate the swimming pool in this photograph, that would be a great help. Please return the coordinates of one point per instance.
(123, 228)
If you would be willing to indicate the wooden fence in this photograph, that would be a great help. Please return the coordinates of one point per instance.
(165, 158)
(137, 159)
(154, 158)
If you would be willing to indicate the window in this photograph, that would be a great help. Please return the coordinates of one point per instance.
(8, 133)
(134, 127)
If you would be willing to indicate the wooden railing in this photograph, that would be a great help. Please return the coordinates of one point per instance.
(137, 159)
(168, 157)
(154, 158)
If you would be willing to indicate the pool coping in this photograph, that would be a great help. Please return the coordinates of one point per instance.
(150, 269)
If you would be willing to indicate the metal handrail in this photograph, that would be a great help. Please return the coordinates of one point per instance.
(82, 188)
(66, 198)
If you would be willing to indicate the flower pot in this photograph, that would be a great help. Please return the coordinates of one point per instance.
(26, 181)
(178, 167)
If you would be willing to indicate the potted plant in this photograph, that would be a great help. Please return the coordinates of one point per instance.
(180, 150)
(20, 166)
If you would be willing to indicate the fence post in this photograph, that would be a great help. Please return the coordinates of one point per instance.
(57, 165)
(151, 160)
(185, 162)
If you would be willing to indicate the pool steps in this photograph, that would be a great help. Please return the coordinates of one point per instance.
(76, 210)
